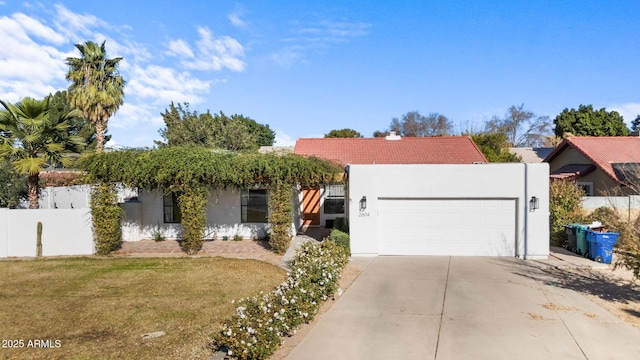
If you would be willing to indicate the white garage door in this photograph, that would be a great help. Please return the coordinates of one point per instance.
(459, 227)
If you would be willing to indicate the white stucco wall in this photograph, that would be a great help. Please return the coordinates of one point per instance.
(4, 233)
(64, 232)
(513, 181)
(145, 217)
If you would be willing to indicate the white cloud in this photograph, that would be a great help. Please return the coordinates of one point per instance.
(34, 27)
(629, 111)
(315, 37)
(34, 49)
(213, 53)
(180, 48)
(75, 26)
(28, 68)
(163, 85)
(283, 139)
(129, 115)
(236, 21)
(287, 57)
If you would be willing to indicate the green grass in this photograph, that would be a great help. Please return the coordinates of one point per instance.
(100, 308)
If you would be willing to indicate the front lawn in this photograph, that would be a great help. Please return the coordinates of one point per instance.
(88, 308)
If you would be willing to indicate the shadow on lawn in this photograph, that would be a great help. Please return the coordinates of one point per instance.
(600, 283)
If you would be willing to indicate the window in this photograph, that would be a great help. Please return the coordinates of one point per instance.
(254, 206)
(334, 199)
(587, 187)
(171, 210)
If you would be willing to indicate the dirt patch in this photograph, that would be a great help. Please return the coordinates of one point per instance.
(535, 316)
(614, 290)
(555, 307)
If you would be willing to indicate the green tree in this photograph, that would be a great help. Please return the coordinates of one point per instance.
(494, 146)
(522, 127)
(343, 133)
(14, 186)
(379, 133)
(97, 88)
(31, 140)
(589, 122)
(263, 134)
(59, 106)
(415, 124)
(186, 127)
(635, 124)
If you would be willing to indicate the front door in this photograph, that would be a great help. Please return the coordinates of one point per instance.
(311, 206)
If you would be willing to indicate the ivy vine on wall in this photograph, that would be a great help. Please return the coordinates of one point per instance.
(194, 171)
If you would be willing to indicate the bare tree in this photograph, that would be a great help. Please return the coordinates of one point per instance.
(522, 127)
(415, 124)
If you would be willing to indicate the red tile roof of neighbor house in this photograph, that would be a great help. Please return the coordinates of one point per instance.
(406, 150)
(603, 151)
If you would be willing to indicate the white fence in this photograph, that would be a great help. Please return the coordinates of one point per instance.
(64, 232)
(627, 206)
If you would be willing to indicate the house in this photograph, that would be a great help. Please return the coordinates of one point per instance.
(599, 165)
(531, 155)
(497, 209)
(321, 206)
(430, 196)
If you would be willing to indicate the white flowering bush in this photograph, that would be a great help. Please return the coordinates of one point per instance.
(260, 322)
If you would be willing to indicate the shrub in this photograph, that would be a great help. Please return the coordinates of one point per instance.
(237, 237)
(260, 322)
(281, 213)
(565, 207)
(628, 244)
(341, 224)
(341, 239)
(193, 206)
(106, 216)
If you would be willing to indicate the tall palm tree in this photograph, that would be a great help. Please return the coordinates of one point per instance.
(33, 140)
(97, 88)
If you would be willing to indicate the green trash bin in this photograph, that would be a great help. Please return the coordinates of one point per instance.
(582, 245)
(570, 230)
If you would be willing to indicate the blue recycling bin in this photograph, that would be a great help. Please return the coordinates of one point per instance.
(601, 245)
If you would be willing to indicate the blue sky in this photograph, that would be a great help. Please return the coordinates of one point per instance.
(307, 67)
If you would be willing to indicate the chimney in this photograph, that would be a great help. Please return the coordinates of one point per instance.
(392, 136)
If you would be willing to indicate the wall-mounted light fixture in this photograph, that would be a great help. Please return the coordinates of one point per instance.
(534, 203)
(363, 203)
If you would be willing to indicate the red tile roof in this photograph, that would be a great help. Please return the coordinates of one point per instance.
(572, 171)
(603, 151)
(407, 150)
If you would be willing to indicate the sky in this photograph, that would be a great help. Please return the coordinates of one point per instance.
(307, 67)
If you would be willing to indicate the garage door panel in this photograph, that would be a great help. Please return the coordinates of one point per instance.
(465, 227)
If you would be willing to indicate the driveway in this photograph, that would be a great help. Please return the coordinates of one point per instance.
(464, 308)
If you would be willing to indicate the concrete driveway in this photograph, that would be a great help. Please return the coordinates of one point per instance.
(464, 308)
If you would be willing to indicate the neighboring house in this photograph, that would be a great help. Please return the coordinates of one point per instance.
(281, 150)
(599, 165)
(320, 206)
(531, 155)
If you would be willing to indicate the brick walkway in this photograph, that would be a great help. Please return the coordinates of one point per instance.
(245, 249)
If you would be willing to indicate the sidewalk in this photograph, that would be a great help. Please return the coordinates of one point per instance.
(562, 258)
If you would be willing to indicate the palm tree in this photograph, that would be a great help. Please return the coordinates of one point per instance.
(96, 86)
(33, 140)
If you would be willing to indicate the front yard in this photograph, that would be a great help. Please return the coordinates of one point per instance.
(90, 308)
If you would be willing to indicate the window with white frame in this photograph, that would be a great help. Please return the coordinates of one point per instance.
(587, 187)
(254, 206)
(334, 199)
(171, 209)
